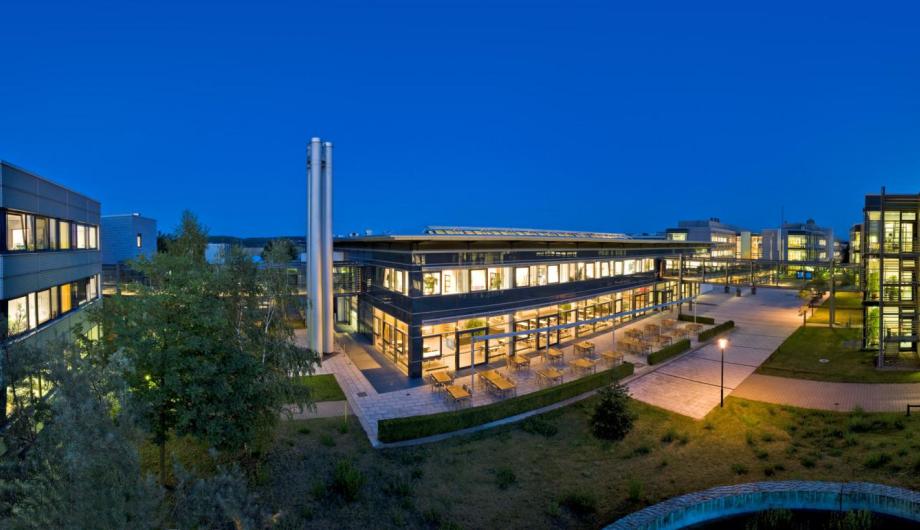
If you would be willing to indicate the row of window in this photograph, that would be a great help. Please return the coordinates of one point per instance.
(28, 232)
(458, 281)
(34, 309)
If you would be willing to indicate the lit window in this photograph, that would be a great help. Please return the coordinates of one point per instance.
(41, 233)
(65, 235)
(139, 241)
(552, 273)
(81, 236)
(522, 277)
(44, 306)
(17, 235)
(478, 280)
(431, 282)
(17, 315)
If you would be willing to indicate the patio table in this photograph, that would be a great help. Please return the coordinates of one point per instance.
(550, 374)
(441, 378)
(585, 365)
(458, 393)
(612, 357)
(554, 354)
(519, 361)
(585, 347)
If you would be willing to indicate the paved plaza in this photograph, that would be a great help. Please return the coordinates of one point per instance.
(842, 397)
(689, 385)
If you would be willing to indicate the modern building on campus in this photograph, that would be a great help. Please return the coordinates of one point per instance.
(729, 241)
(889, 253)
(855, 247)
(50, 260)
(420, 298)
(127, 237)
(799, 242)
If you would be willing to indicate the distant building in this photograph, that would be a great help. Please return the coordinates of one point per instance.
(856, 244)
(127, 237)
(799, 242)
(730, 241)
(216, 253)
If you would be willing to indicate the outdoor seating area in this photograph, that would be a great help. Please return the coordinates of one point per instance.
(553, 365)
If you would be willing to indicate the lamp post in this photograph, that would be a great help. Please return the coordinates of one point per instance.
(722, 344)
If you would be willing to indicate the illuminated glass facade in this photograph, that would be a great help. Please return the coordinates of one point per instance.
(420, 298)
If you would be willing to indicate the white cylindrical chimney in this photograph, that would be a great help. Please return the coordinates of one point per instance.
(326, 209)
(314, 249)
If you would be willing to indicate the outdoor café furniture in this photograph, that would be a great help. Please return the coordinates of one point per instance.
(519, 361)
(440, 379)
(500, 384)
(694, 328)
(554, 355)
(612, 357)
(633, 333)
(550, 375)
(668, 322)
(584, 347)
(459, 394)
(584, 365)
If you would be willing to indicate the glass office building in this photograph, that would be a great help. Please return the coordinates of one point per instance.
(420, 298)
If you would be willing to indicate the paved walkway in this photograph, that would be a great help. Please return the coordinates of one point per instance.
(826, 395)
(689, 385)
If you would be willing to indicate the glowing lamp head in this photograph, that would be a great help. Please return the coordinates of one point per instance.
(723, 343)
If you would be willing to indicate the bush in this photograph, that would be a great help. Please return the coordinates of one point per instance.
(669, 351)
(397, 429)
(539, 425)
(877, 460)
(612, 419)
(505, 478)
(712, 332)
(579, 503)
(699, 320)
(635, 490)
(347, 480)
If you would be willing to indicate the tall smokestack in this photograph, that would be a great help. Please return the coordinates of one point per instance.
(326, 209)
(315, 296)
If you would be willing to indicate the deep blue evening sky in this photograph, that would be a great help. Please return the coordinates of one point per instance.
(529, 115)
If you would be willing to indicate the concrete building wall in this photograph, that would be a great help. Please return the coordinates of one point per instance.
(119, 234)
(21, 190)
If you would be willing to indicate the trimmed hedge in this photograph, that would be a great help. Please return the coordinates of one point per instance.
(669, 351)
(701, 320)
(712, 332)
(398, 429)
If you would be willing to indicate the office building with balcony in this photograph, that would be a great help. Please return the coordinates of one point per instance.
(799, 242)
(50, 259)
(419, 299)
(889, 254)
(729, 241)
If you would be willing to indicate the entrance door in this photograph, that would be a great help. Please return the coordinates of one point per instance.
(545, 322)
(480, 353)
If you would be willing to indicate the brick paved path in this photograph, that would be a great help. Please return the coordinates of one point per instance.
(829, 396)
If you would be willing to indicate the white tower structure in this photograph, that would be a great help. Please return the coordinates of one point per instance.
(319, 247)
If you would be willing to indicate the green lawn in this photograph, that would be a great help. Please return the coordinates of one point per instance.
(550, 472)
(848, 310)
(799, 357)
(323, 387)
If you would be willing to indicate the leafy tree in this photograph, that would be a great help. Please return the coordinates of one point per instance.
(222, 501)
(279, 248)
(209, 351)
(82, 469)
(612, 419)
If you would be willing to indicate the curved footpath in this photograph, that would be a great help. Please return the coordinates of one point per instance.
(842, 397)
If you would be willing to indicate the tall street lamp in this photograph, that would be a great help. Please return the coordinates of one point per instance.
(722, 344)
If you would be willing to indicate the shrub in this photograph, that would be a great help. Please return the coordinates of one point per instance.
(397, 429)
(539, 425)
(739, 469)
(612, 419)
(326, 440)
(347, 480)
(700, 320)
(807, 462)
(877, 460)
(635, 490)
(712, 332)
(669, 351)
(505, 478)
(579, 502)
(669, 436)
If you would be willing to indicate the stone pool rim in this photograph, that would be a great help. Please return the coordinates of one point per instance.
(737, 499)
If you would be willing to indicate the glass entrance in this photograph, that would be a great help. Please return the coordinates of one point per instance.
(464, 343)
(545, 322)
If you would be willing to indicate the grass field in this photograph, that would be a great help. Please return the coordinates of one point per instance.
(323, 387)
(848, 310)
(550, 471)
